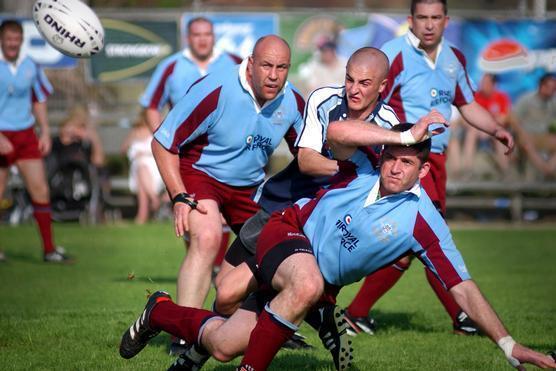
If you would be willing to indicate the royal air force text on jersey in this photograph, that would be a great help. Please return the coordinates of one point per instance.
(254, 142)
(439, 96)
(348, 240)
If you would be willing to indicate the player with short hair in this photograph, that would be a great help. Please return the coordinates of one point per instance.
(426, 72)
(212, 147)
(24, 89)
(309, 251)
(175, 74)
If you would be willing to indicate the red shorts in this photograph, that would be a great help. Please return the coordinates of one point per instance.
(435, 181)
(26, 146)
(235, 203)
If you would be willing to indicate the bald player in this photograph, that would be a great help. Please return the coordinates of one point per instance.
(211, 150)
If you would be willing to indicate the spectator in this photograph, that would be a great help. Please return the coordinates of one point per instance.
(75, 166)
(499, 105)
(535, 126)
(325, 68)
(144, 178)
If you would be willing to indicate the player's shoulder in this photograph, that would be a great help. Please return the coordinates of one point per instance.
(454, 52)
(170, 60)
(325, 94)
(386, 116)
(234, 58)
(394, 46)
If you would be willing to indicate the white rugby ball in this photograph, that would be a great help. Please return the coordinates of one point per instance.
(70, 26)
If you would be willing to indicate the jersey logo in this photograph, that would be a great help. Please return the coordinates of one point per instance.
(254, 142)
(278, 118)
(450, 70)
(439, 96)
(385, 231)
(348, 240)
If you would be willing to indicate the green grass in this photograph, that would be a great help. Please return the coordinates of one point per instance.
(72, 317)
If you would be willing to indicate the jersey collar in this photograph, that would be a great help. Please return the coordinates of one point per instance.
(245, 85)
(215, 54)
(373, 194)
(414, 42)
(12, 66)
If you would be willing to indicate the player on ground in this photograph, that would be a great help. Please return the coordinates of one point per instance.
(175, 74)
(426, 72)
(23, 92)
(212, 147)
(361, 222)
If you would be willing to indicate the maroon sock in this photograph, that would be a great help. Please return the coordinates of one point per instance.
(266, 340)
(443, 295)
(42, 214)
(374, 286)
(183, 322)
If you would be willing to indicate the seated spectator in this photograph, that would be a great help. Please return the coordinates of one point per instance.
(144, 178)
(75, 166)
(535, 127)
(498, 104)
(325, 68)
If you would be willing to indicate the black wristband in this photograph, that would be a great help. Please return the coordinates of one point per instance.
(185, 198)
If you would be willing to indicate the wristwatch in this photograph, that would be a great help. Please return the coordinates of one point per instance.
(185, 198)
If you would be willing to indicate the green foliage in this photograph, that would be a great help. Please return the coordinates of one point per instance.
(72, 317)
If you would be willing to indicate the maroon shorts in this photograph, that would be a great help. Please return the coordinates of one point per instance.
(235, 203)
(282, 237)
(435, 181)
(26, 146)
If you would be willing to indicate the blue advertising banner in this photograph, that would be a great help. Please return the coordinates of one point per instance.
(237, 32)
(518, 51)
(39, 50)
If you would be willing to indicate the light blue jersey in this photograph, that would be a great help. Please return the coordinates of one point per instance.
(355, 232)
(21, 84)
(175, 74)
(220, 129)
(416, 84)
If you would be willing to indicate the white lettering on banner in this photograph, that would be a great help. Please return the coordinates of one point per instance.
(137, 50)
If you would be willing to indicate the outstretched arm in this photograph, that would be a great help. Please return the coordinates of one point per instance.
(472, 301)
(345, 136)
(481, 119)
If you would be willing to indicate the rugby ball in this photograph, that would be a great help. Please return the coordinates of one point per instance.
(70, 26)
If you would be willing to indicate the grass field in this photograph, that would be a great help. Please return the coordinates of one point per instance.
(72, 317)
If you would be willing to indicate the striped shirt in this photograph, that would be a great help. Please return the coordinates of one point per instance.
(324, 106)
